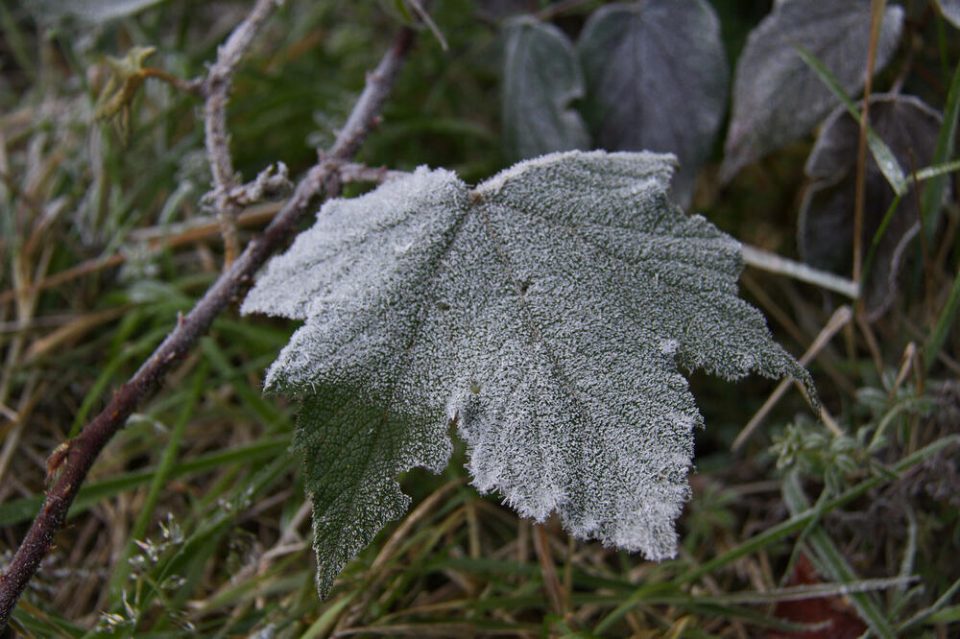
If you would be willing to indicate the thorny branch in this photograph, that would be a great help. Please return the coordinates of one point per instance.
(193, 230)
(82, 451)
(216, 89)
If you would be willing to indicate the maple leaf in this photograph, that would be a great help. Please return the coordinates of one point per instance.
(545, 312)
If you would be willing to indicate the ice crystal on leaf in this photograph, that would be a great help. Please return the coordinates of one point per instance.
(545, 312)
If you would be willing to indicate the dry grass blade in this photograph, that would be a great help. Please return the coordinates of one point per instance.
(877, 8)
(12, 432)
(378, 569)
(72, 331)
(840, 318)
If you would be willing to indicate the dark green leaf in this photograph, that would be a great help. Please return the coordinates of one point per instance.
(825, 233)
(777, 98)
(656, 76)
(541, 80)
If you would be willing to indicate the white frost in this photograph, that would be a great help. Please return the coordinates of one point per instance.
(669, 346)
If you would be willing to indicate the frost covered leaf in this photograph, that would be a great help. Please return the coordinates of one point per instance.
(545, 312)
(541, 79)
(951, 11)
(825, 230)
(777, 98)
(656, 76)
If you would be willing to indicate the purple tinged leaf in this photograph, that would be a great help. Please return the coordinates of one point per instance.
(541, 80)
(657, 80)
(777, 98)
(825, 234)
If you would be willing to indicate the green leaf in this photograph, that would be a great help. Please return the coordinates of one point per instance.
(545, 312)
(541, 80)
(777, 98)
(656, 76)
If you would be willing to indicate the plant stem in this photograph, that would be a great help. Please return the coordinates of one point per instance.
(877, 9)
(84, 449)
(216, 88)
(773, 263)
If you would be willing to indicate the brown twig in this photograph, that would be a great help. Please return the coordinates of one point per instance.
(548, 570)
(216, 88)
(84, 268)
(186, 86)
(82, 451)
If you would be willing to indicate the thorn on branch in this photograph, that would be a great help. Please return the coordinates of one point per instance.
(273, 181)
(55, 461)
